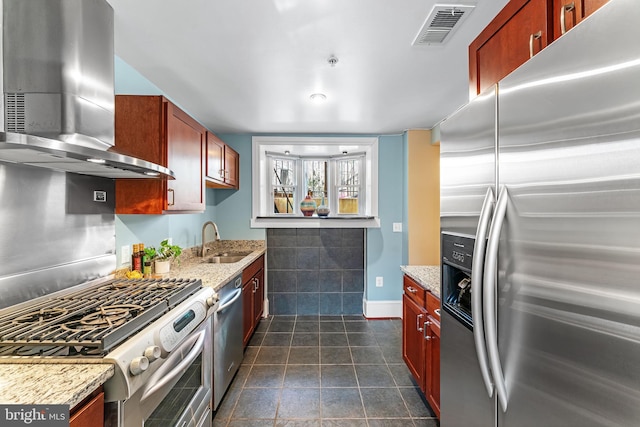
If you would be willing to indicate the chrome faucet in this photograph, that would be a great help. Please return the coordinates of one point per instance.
(215, 230)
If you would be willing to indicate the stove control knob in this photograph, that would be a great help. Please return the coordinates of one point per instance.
(138, 365)
(152, 353)
(211, 301)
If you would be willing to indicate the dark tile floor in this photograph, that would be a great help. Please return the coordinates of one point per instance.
(310, 371)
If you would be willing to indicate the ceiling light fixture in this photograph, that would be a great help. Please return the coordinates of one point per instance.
(333, 60)
(287, 152)
(318, 97)
(95, 160)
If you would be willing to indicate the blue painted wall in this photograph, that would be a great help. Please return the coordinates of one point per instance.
(231, 209)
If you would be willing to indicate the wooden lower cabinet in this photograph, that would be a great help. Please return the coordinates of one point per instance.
(252, 297)
(413, 342)
(432, 363)
(421, 340)
(89, 414)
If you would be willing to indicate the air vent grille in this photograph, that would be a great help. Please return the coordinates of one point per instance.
(15, 113)
(443, 20)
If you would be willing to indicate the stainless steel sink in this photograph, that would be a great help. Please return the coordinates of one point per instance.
(226, 257)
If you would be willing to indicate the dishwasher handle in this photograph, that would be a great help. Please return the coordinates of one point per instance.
(236, 295)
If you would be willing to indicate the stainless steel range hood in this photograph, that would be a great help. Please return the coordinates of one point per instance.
(62, 156)
(57, 78)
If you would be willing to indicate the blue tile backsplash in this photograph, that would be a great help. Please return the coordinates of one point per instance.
(315, 271)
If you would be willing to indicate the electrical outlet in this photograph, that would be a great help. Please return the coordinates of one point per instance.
(125, 254)
(397, 227)
(379, 282)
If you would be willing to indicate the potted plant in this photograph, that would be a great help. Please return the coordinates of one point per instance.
(164, 255)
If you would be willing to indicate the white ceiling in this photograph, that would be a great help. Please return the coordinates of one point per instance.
(249, 66)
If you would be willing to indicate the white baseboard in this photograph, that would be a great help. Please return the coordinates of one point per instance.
(382, 309)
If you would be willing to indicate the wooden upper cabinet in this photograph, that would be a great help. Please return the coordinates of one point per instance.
(223, 164)
(153, 129)
(568, 13)
(519, 31)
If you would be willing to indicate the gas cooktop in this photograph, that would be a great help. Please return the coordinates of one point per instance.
(92, 320)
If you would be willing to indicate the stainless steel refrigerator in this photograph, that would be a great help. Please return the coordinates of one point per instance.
(540, 214)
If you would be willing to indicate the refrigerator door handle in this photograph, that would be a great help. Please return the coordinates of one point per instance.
(476, 295)
(490, 285)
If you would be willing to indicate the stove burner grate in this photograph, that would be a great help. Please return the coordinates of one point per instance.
(94, 319)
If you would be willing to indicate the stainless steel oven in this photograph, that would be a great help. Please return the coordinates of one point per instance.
(179, 392)
(156, 333)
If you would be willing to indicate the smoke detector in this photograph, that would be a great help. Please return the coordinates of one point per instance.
(443, 20)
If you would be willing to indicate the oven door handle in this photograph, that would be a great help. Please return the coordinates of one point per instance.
(233, 299)
(477, 269)
(180, 367)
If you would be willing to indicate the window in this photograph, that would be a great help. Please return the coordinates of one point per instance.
(283, 186)
(315, 179)
(340, 173)
(349, 189)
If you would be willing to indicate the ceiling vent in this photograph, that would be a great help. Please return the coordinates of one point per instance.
(443, 20)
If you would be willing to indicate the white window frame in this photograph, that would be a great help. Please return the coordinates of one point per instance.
(335, 185)
(270, 157)
(266, 148)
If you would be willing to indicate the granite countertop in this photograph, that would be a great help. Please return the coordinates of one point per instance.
(51, 384)
(191, 265)
(428, 276)
(69, 383)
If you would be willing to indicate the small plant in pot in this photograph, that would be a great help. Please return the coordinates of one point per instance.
(164, 255)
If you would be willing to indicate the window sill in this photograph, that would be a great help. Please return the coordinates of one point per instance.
(315, 222)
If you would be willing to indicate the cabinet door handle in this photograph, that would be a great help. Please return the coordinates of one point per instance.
(420, 316)
(221, 173)
(437, 311)
(563, 11)
(256, 284)
(173, 197)
(412, 289)
(424, 333)
(532, 37)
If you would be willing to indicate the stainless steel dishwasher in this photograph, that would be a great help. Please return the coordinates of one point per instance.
(227, 338)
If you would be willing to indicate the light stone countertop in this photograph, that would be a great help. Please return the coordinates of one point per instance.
(69, 383)
(191, 265)
(51, 384)
(428, 276)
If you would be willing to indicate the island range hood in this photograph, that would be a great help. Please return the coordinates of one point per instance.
(57, 80)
